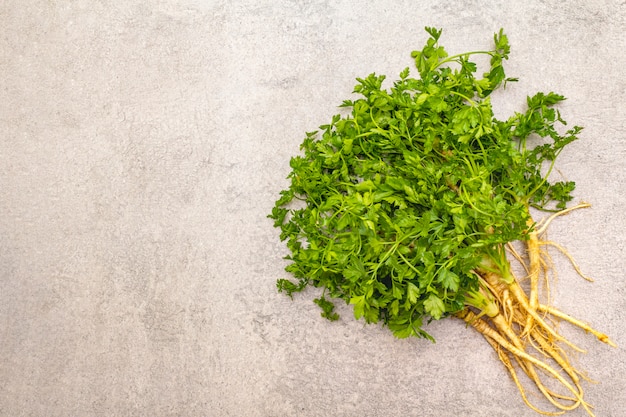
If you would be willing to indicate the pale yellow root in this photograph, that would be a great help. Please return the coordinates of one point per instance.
(556, 354)
(545, 223)
(505, 330)
(543, 343)
(566, 253)
(547, 266)
(521, 298)
(482, 327)
(522, 329)
(534, 268)
(556, 313)
(504, 358)
(553, 311)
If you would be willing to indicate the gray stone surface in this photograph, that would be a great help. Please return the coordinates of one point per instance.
(142, 145)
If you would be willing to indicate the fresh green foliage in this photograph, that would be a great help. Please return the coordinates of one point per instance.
(394, 204)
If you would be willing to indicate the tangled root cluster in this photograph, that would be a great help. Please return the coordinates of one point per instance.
(523, 330)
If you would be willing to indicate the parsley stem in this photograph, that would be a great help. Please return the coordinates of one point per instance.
(472, 102)
(454, 58)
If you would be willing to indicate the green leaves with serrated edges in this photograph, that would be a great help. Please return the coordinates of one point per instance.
(393, 203)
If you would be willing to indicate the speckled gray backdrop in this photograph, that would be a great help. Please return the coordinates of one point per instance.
(142, 145)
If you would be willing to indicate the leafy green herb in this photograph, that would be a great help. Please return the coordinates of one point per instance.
(402, 206)
(402, 197)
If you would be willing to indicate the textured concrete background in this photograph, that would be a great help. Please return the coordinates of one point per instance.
(142, 145)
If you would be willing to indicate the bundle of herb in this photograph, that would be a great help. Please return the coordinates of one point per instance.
(406, 205)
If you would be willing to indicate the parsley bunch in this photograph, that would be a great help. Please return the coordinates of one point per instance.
(398, 203)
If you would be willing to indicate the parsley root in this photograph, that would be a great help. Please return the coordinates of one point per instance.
(408, 202)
